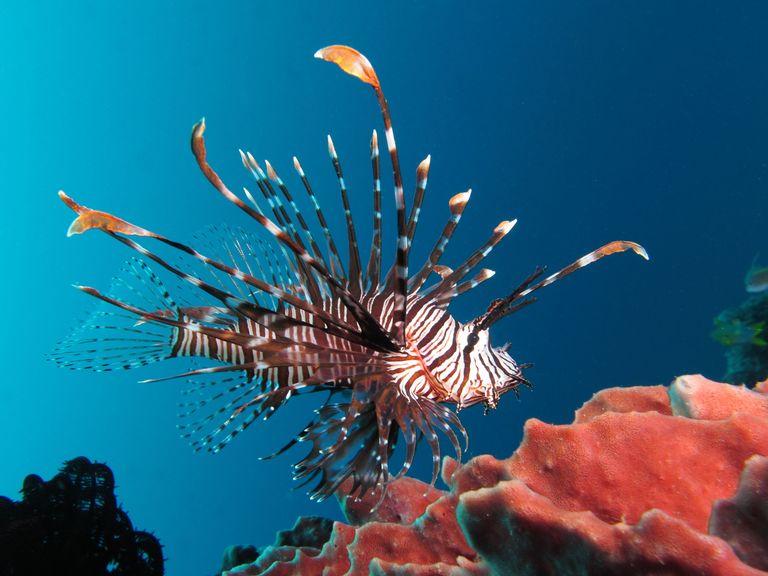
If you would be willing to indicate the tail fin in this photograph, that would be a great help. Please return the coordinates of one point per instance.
(112, 339)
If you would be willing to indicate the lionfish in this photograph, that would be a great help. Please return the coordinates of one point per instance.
(285, 318)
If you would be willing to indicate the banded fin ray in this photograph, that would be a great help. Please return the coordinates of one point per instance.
(456, 205)
(355, 280)
(422, 173)
(373, 270)
(450, 280)
(336, 265)
(316, 251)
(308, 284)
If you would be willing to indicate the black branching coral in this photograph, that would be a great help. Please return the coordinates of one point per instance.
(72, 524)
(286, 316)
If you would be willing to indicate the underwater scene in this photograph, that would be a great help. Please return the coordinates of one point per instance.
(297, 288)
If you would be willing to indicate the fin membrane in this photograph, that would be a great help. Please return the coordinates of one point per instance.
(113, 339)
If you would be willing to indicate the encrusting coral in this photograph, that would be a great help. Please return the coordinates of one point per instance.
(646, 480)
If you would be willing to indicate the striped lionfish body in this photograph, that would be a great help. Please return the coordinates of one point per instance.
(285, 317)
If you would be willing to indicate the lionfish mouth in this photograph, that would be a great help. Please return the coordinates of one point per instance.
(285, 317)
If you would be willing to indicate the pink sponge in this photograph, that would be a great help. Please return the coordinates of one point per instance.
(742, 520)
(638, 484)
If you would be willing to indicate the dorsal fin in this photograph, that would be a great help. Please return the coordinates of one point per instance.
(357, 65)
(355, 282)
(456, 205)
(367, 323)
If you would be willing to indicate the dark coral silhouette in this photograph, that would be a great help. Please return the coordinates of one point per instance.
(72, 524)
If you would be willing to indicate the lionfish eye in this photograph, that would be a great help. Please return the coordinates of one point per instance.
(473, 339)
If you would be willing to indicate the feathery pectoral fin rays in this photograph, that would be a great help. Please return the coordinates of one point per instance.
(113, 339)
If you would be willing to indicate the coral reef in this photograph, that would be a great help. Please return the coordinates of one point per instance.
(646, 480)
(72, 524)
(309, 531)
(743, 330)
(742, 520)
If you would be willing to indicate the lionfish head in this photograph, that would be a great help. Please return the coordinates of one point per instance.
(492, 370)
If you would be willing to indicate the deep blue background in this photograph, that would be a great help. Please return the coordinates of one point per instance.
(588, 121)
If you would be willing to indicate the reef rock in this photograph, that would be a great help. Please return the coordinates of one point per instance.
(646, 480)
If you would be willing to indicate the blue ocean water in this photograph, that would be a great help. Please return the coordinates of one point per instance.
(588, 122)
